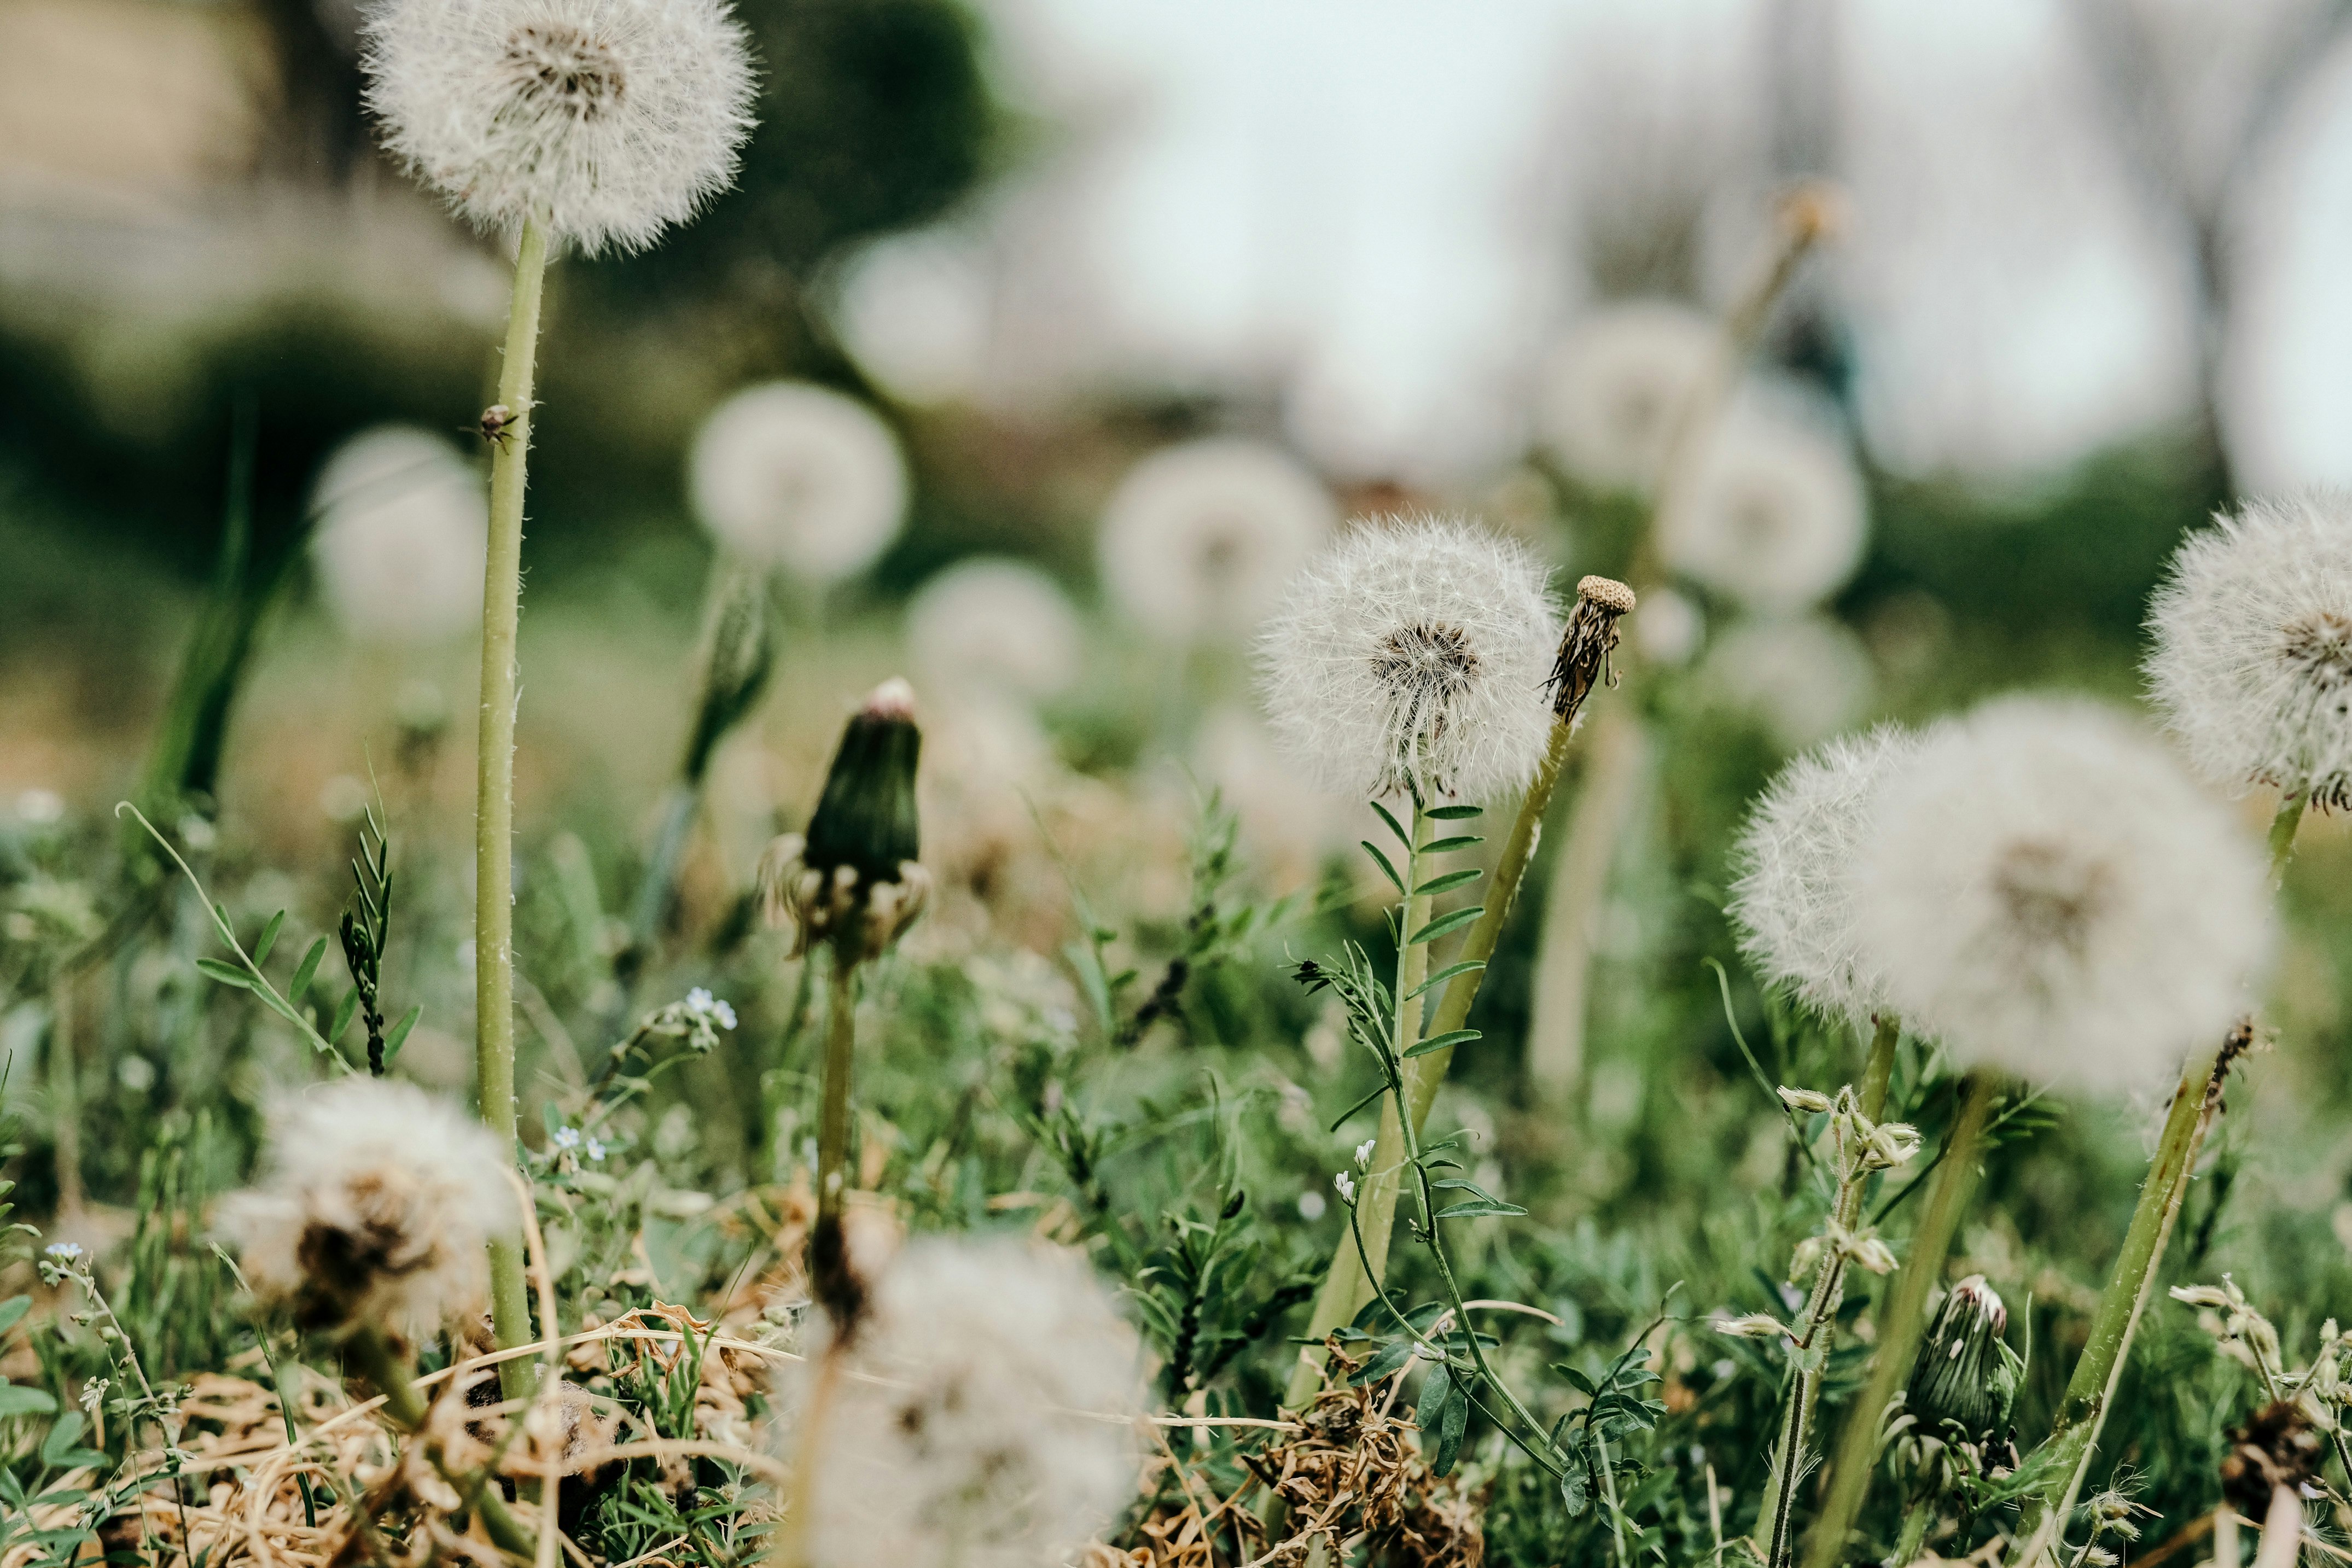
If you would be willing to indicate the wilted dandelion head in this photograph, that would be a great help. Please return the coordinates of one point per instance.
(957, 1440)
(994, 625)
(1199, 540)
(607, 120)
(1617, 387)
(2252, 662)
(2047, 891)
(402, 532)
(796, 476)
(375, 1207)
(1793, 902)
(1413, 656)
(1773, 515)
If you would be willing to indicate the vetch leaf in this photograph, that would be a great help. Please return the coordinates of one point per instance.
(1476, 1208)
(399, 1035)
(1434, 1388)
(1445, 924)
(1451, 1038)
(1447, 846)
(1436, 885)
(349, 1005)
(1394, 827)
(61, 1438)
(226, 974)
(1374, 850)
(1445, 975)
(269, 939)
(1383, 1366)
(1451, 1422)
(13, 1310)
(1453, 813)
(308, 968)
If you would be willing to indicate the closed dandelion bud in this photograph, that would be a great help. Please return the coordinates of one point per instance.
(1965, 1379)
(852, 880)
(738, 656)
(375, 1206)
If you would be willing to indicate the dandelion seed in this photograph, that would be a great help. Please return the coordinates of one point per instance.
(2045, 888)
(961, 1445)
(1774, 515)
(1200, 540)
(2252, 662)
(608, 120)
(798, 477)
(375, 1207)
(1793, 898)
(1413, 656)
(996, 627)
(1618, 386)
(403, 529)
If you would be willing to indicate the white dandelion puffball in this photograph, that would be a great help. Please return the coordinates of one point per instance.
(1412, 655)
(1199, 540)
(403, 529)
(1793, 899)
(607, 120)
(1774, 515)
(2252, 662)
(375, 1206)
(980, 1424)
(799, 476)
(1799, 680)
(994, 625)
(1616, 388)
(2047, 891)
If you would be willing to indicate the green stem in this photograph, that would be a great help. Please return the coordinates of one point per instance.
(1899, 1329)
(1809, 1355)
(366, 1349)
(494, 1038)
(834, 1282)
(2281, 839)
(1609, 796)
(1355, 1272)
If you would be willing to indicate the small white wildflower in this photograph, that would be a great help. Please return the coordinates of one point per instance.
(971, 1440)
(1347, 1186)
(1413, 654)
(2046, 889)
(800, 477)
(701, 1006)
(67, 1252)
(608, 120)
(1773, 515)
(594, 1149)
(1868, 1251)
(1618, 386)
(995, 626)
(1200, 540)
(377, 1205)
(1364, 1153)
(93, 1394)
(1800, 681)
(565, 1137)
(1793, 899)
(403, 529)
(2252, 662)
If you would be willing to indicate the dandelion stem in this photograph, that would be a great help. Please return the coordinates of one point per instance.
(2282, 840)
(828, 1260)
(494, 1038)
(1900, 1328)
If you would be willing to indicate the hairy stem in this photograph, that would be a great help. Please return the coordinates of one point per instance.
(1900, 1328)
(1355, 1272)
(494, 1038)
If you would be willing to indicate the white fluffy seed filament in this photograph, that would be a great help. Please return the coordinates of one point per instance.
(560, 68)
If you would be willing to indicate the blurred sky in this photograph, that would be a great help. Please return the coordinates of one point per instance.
(1370, 209)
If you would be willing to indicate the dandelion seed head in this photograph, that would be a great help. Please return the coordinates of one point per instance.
(2252, 662)
(403, 530)
(995, 626)
(1200, 540)
(961, 1447)
(1413, 654)
(375, 1206)
(2046, 889)
(1799, 681)
(1616, 387)
(1793, 899)
(608, 120)
(1774, 515)
(799, 477)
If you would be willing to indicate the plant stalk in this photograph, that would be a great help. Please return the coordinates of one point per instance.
(494, 1035)
(366, 1349)
(1610, 793)
(829, 1272)
(1899, 1330)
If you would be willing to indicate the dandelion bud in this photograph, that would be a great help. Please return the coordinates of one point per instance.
(1965, 1379)
(738, 656)
(966, 1436)
(1754, 1325)
(1407, 660)
(607, 120)
(2252, 662)
(852, 879)
(377, 1206)
(1810, 1101)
